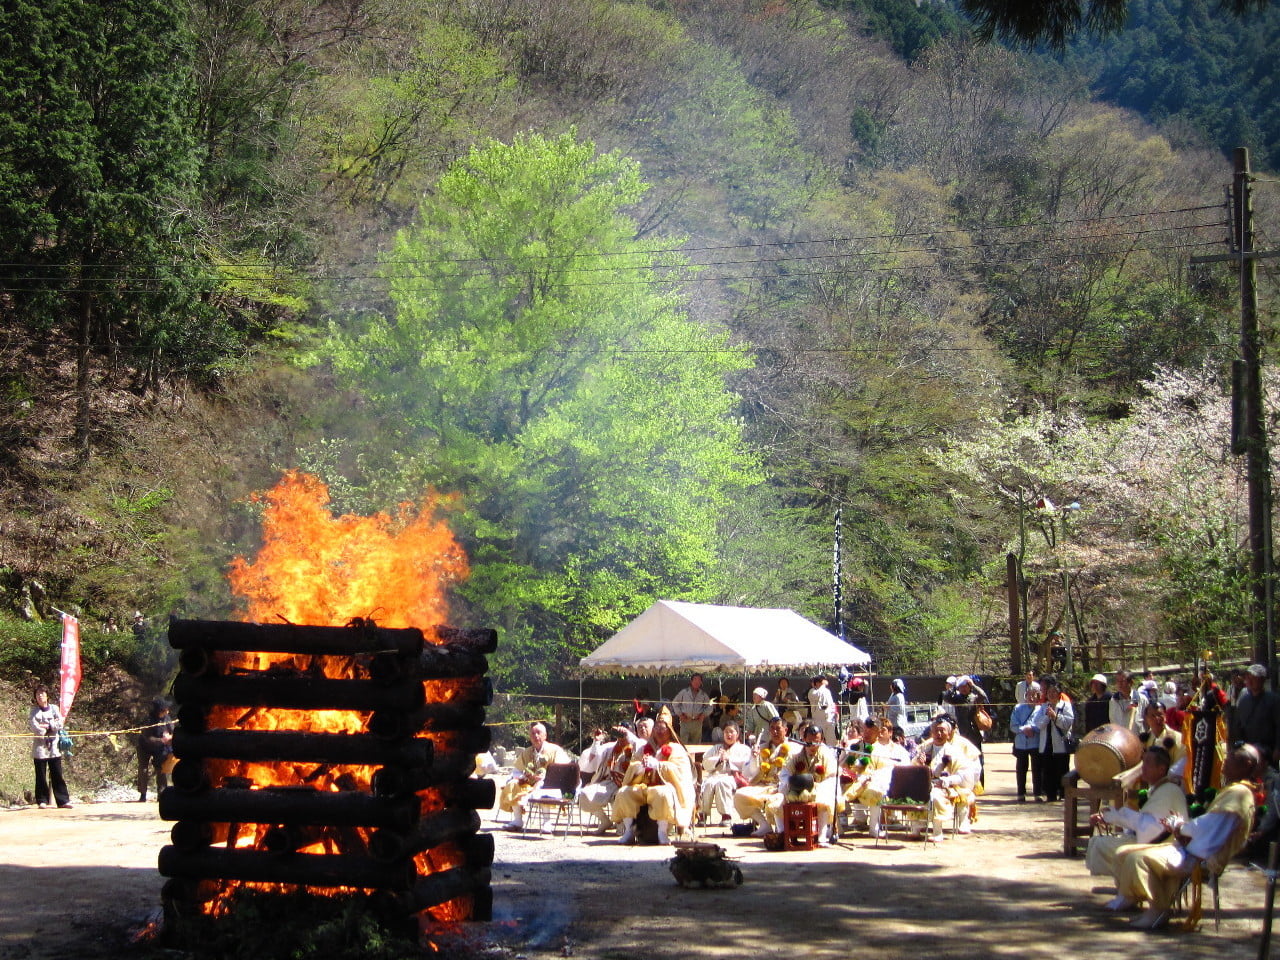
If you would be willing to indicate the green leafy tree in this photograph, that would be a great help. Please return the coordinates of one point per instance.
(540, 363)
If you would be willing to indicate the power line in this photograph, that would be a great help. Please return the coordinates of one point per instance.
(690, 277)
(1028, 228)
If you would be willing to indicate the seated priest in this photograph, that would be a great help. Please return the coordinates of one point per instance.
(873, 770)
(1152, 873)
(769, 757)
(954, 766)
(1163, 798)
(1159, 734)
(660, 776)
(612, 760)
(527, 773)
(810, 776)
(722, 774)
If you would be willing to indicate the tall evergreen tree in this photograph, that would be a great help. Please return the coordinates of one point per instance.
(96, 179)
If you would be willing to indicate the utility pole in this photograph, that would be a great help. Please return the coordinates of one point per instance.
(1248, 428)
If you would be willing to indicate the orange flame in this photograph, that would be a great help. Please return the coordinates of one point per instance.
(322, 570)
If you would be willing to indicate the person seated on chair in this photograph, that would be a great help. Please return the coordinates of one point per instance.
(662, 777)
(529, 769)
(1158, 734)
(872, 773)
(817, 763)
(1164, 798)
(1152, 873)
(722, 774)
(954, 765)
(612, 761)
(768, 760)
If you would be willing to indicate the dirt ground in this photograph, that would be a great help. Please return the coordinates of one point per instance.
(77, 883)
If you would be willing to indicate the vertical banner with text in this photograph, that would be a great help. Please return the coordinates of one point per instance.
(69, 674)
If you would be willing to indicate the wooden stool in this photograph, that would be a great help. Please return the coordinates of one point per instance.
(800, 823)
(1075, 835)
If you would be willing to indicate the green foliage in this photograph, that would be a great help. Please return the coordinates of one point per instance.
(910, 28)
(298, 927)
(34, 646)
(540, 363)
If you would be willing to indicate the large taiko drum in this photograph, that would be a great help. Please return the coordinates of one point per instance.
(1105, 752)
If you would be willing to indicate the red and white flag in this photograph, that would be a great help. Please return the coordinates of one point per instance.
(70, 672)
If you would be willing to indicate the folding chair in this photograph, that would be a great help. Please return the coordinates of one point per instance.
(908, 782)
(556, 800)
(1188, 898)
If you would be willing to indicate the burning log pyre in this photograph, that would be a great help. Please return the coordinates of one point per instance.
(331, 759)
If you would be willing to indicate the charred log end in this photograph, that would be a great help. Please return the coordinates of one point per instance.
(481, 639)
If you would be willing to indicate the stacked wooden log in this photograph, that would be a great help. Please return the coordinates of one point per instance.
(387, 809)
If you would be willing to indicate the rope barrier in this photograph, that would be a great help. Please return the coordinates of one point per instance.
(83, 733)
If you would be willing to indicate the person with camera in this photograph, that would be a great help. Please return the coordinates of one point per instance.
(45, 722)
(155, 747)
(1055, 720)
(972, 710)
(1127, 705)
(1256, 717)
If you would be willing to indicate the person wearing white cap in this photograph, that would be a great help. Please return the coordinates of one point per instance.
(944, 698)
(1256, 718)
(896, 707)
(756, 718)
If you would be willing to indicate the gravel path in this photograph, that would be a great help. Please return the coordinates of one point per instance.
(74, 884)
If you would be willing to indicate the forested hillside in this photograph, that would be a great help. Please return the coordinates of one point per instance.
(1195, 69)
(646, 290)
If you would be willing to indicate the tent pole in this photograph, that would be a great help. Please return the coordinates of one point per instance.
(581, 730)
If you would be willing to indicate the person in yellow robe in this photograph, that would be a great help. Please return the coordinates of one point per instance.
(1145, 825)
(1152, 873)
(763, 771)
(662, 777)
(871, 779)
(815, 759)
(954, 766)
(528, 771)
(1160, 734)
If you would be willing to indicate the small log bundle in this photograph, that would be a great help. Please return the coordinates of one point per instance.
(262, 795)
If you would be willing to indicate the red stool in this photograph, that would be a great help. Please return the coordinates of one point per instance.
(800, 822)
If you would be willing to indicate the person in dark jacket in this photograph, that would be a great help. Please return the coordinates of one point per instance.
(1096, 706)
(155, 747)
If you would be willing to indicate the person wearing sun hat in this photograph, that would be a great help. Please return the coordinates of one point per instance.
(1097, 705)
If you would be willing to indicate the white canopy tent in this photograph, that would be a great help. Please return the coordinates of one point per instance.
(677, 637)
(673, 636)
